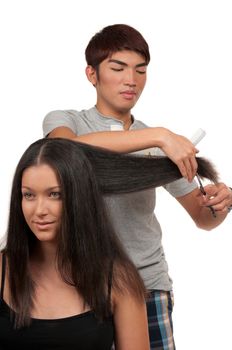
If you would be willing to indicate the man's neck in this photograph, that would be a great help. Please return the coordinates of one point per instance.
(123, 116)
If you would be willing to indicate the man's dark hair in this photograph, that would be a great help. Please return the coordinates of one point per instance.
(115, 38)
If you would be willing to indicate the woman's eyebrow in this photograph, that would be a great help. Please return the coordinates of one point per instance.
(52, 188)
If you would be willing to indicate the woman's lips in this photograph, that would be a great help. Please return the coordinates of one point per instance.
(43, 225)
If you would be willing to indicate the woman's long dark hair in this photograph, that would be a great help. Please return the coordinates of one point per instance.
(123, 173)
(89, 253)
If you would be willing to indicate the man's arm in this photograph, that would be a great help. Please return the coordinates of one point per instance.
(178, 148)
(218, 196)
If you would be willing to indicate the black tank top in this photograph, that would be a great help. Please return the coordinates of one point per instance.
(80, 332)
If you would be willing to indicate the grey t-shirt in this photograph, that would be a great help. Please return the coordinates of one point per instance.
(132, 214)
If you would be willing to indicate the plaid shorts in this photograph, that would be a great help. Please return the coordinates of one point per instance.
(159, 311)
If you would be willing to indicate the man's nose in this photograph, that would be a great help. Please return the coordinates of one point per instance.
(130, 79)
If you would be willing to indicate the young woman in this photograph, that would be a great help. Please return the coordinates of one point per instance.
(66, 282)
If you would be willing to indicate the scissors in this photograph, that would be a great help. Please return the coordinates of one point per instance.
(204, 194)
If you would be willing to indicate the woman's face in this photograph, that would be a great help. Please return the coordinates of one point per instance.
(41, 201)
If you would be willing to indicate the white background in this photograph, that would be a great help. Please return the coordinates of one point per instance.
(189, 86)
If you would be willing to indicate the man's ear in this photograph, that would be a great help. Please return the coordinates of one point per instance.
(91, 75)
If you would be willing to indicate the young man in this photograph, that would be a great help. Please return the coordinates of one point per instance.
(117, 58)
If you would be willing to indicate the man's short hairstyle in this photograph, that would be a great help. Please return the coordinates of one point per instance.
(115, 38)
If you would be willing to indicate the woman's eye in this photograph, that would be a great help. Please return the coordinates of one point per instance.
(27, 195)
(55, 195)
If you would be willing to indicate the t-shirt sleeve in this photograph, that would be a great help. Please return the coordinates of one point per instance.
(180, 187)
(58, 118)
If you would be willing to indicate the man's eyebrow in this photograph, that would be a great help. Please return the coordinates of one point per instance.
(125, 64)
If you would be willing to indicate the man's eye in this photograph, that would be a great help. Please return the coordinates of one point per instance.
(141, 71)
(117, 69)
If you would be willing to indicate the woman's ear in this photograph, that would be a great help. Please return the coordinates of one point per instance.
(91, 75)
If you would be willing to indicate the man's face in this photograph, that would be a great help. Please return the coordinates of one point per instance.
(119, 83)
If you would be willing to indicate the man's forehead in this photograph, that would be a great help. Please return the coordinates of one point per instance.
(126, 56)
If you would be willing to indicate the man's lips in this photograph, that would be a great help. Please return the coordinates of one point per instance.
(128, 94)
